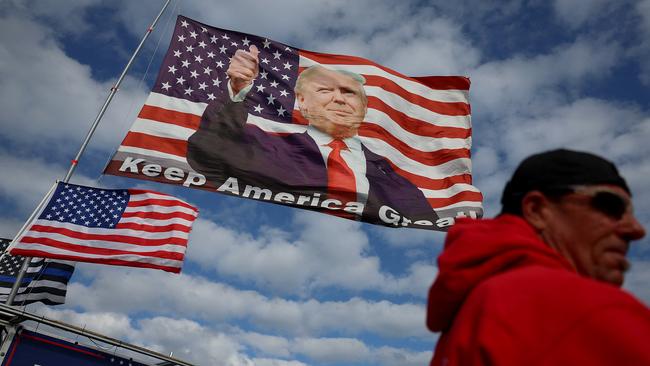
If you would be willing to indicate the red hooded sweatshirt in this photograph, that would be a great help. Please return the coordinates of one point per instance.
(504, 297)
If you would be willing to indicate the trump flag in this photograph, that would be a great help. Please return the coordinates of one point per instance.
(247, 116)
(124, 227)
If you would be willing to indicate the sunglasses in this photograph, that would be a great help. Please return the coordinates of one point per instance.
(604, 200)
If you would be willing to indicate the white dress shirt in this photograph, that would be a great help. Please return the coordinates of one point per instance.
(353, 156)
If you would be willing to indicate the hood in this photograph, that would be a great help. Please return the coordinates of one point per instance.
(476, 250)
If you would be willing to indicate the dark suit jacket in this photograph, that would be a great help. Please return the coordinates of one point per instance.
(226, 146)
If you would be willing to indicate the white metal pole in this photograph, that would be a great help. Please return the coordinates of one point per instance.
(114, 89)
(25, 265)
(90, 133)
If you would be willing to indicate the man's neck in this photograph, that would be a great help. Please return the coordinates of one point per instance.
(321, 138)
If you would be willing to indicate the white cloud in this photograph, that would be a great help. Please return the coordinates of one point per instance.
(193, 342)
(327, 252)
(489, 177)
(269, 345)
(40, 175)
(642, 51)
(487, 158)
(575, 13)
(66, 15)
(535, 105)
(389, 356)
(482, 12)
(274, 362)
(188, 340)
(615, 131)
(110, 323)
(329, 350)
(36, 72)
(428, 43)
(637, 173)
(106, 288)
(643, 8)
(9, 227)
(47, 96)
(425, 45)
(351, 351)
(612, 130)
(525, 86)
(383, 317)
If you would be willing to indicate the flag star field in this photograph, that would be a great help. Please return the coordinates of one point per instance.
(92, 208)
(198, 58)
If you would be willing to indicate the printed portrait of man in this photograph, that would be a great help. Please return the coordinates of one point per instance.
(327, 161)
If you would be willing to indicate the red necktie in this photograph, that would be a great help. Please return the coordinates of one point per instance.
(341, 184)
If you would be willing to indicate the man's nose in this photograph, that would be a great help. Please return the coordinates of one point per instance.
(338, 96)
(630, 228)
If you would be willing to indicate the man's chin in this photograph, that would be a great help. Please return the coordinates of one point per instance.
(342, 130)
(344, 134)
(612, 276)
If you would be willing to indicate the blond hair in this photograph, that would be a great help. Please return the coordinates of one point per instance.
(308, 73)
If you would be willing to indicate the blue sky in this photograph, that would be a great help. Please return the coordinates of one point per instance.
(269, 285)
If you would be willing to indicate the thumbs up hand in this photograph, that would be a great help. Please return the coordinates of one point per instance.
(244, 68)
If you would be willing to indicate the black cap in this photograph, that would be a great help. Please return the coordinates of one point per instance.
(559, 168)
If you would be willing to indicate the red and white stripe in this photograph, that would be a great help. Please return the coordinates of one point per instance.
(152, 233)
(422, 126)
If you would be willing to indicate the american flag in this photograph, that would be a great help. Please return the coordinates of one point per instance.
(46, 280)
(137, 228)
(421, 125)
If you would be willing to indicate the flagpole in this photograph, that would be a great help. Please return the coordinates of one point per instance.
(75, 161)
(25, 265)
(114, 89)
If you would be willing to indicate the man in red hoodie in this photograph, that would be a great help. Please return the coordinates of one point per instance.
(539, 284)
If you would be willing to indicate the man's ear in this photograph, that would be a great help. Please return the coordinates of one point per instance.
(535, 208)
(301, 101)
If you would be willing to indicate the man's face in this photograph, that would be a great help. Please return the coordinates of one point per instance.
(333, 103)
(595, 242)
